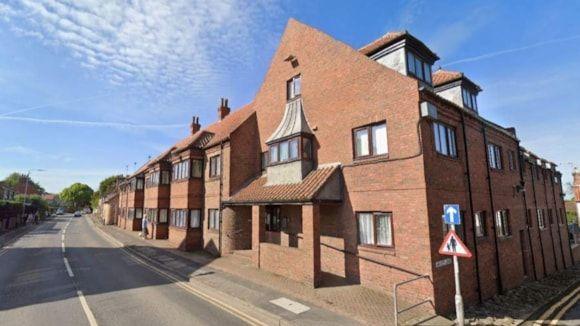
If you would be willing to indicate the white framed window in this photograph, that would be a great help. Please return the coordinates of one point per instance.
(541, 218)
(214, 166)
(163, 215)
(138, 213)
(445, 140)
(195, 218)
(139, 183)
(196, 168)
(375, 229)
(502, 223)
(480, 227)
(178, 218)
(495, 159)
(213, 219)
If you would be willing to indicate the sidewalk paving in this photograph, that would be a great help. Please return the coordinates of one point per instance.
(236, 276)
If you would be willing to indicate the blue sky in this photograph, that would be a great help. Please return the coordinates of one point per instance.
(90, 87)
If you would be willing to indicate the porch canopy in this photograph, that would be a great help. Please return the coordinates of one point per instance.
(322, 185)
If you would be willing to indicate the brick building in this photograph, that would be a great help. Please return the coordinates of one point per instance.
(341, 165)
(576, 186)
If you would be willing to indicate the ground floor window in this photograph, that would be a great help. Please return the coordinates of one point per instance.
(163, 215)
(213, 219)
(480, 230)
(194, 218)
(178, 218)
(151, 215)
(138, 212)
(131, 213)
(502, 223)
(375, 229)
(541, 219)
(273, 221)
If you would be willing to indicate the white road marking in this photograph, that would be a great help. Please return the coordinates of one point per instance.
(87, 309)
(68, 269)
(290, 305)
(62, 246)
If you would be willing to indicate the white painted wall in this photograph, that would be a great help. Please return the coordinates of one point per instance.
(453, 94)
(395, 60)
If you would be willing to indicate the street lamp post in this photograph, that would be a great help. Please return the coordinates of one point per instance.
(26, 190)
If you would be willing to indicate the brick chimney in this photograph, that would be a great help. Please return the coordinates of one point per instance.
(195, 126)
(223, 109)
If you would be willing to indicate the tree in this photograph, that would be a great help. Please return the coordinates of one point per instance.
(77, 196)
(34, 201)
(95, 199)
(108, 185)
(15, 179)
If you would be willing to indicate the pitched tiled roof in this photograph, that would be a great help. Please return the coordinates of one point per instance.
(380, 42)
(222, 129)
(258, 192)
(441, 77)
(200, 138)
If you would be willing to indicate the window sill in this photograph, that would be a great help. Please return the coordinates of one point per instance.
(283, 162)
(214, 178)
(377, 250)
(370, 159)
(504, 238)
(213, 231)
(447, 157)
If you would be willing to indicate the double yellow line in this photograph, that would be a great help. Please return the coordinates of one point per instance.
(558, 309)
(183, 285)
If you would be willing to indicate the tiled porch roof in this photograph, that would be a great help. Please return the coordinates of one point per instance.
(306, 191)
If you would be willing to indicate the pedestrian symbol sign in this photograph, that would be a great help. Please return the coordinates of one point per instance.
(453, 246)
(451, 214)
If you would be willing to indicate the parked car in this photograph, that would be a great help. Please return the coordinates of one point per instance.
(78, 214)
(60, 211)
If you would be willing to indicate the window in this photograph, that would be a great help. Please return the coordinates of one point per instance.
(375, 229)
(293, 87)
(214, 219)
(418, 68)
(306, 148)
(541, 219)
(181, 170)
(469, 99)
(178, 218)
(165, 177)
(285, 151)
(214, 166)
(195, 218)
(163, 215)
(480, 228)
(274, 154)
(131, 213)
(138, 213)
(272, 221)
(512, 160)
(445, 141)
(494, 153)
(196, 168)
(502, 223)
(151, 215)
(139, 183)
(371, 140)
(152, 179)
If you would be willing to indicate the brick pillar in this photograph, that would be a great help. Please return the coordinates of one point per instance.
(258, 231)
(311, 242)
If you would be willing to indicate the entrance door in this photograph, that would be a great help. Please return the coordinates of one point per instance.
(525, 253)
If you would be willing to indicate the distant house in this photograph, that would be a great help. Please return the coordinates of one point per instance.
(6, 193)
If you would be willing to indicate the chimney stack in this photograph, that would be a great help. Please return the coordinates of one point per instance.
(223, 110)
(195, 126)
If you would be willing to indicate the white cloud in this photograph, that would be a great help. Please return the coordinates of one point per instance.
(186, 46)
(101, 124)
(35, 154)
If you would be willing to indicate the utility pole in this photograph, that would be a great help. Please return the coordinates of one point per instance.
(26, 190)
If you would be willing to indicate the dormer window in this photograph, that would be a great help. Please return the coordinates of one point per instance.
(293, 88)
(418, 68)
(469, 99)
(285, 151)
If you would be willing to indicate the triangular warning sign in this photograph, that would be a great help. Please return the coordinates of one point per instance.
(453, 246)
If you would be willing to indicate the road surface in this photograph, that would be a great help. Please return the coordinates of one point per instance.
(65, 273)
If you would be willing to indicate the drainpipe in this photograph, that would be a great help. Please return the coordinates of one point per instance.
(557, 221)
(220, 196)
(565, 223)
(480, 296)
(521, 162)
(551, 222)
(497, 260)
(536, 206)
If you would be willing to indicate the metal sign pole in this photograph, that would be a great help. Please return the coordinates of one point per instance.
(458, 298)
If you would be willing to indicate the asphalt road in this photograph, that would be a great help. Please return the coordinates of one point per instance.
(103, 286)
